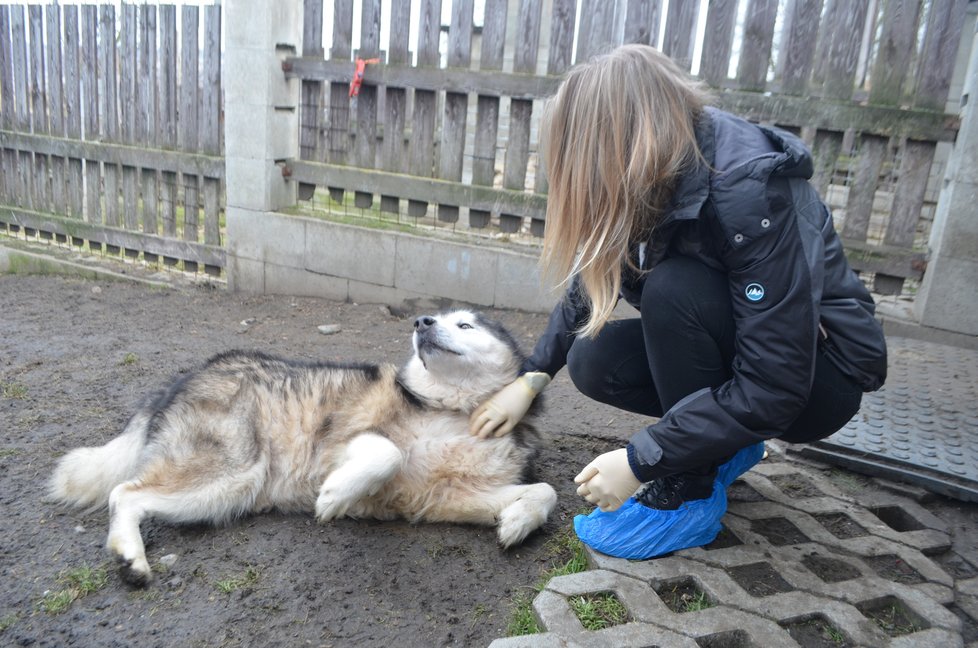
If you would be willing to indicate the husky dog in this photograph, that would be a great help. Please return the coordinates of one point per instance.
(249, 432)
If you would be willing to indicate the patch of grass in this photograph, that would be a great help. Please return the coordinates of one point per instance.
(129, 359)
(522, 621)
(234, 583)
(79, 582)
(696, 602)
(567, 556)
(8, 621)
(599, 611)
(8, 452)
(13, 390)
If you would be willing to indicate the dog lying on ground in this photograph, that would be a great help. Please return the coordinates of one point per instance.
(249, 432)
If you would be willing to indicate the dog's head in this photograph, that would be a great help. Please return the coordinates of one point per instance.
(460, 359)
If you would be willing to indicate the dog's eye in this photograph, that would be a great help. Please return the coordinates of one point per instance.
(464, 325)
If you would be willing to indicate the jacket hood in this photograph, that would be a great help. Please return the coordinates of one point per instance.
(734, 148)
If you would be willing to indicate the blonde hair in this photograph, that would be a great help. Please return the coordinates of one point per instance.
(615, 138)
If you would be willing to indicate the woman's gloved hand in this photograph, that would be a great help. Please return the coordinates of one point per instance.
(608, 481)
(500, 414)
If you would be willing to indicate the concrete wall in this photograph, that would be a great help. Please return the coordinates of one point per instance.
(281, 254)
(948, 297)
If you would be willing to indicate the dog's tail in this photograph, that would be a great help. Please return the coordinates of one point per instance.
(85, 476)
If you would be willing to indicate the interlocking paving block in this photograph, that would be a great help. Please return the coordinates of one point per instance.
(797, 556)
(921, 427)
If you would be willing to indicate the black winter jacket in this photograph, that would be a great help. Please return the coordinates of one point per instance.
(751, 213)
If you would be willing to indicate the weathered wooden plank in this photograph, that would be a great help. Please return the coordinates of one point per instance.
(718, 41)
(843, 51)
(562, 20)
(210, 101)
(52, 16)
(120, 154)
(365, 103)
(595, 35)
(521, 111)
(167, 125)
(678, 41)
(755, 53)
(338, 118)
(108, 109)
(147, 117)
(938, 53)
(310, 103)
(798, 49)
(22, 118)
(392, 153)
(8, 159)
(6, 69)
(434, 79)
(898, 37)
(642, 19)
(518, 203)
(884, 259)
(153, 245)
(487, 109)
(825, 151)
(423, 131)
(452, 145)
(877, 120)
(908, 198)
(862, 190)
(127, 116)
(188, 138)
(39, 105)
(90, 95)
(72, 97)
(210, 122)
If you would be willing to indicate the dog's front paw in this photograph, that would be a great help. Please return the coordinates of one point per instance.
(330, 505)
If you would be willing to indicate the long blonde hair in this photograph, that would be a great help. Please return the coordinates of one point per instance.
(615, 137)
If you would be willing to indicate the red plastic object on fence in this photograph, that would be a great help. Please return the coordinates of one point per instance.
(358, 74)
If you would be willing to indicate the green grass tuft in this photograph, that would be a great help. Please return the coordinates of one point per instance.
(599, 611)
(79, 582)
(234, 583)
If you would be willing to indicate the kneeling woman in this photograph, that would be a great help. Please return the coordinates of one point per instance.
(752, 325)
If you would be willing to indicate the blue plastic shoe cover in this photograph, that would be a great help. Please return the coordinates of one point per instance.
(637, 532)
(740, 463)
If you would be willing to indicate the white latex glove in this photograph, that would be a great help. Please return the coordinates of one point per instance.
(500, 414)
(608, 481)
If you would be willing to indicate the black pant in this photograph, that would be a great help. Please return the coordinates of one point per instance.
(683, 342)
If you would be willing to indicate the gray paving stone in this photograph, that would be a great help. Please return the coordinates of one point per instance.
(807, 552)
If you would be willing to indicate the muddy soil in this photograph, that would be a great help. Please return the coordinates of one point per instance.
(75, 358)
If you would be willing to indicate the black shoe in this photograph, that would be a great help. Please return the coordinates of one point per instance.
(668, 493)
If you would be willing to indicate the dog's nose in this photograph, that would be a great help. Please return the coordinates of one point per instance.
(424, 323)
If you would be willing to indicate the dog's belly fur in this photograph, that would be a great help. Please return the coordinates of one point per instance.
(294, 432)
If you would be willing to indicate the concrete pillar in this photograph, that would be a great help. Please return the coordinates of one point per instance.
(948, 297)
(260, 125)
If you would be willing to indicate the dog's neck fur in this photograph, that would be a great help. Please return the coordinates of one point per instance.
(463, 394)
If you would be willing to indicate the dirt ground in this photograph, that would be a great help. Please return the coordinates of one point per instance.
(76, 356)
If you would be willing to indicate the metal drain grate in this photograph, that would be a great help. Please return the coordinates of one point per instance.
(921, 427)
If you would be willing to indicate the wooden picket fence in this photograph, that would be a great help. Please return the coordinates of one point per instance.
(452, 124)
(111, 129)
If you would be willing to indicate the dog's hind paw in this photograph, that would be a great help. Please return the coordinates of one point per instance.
(526, 514)
(136, 572)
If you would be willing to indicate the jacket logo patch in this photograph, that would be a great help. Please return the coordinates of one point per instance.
(754, 292)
